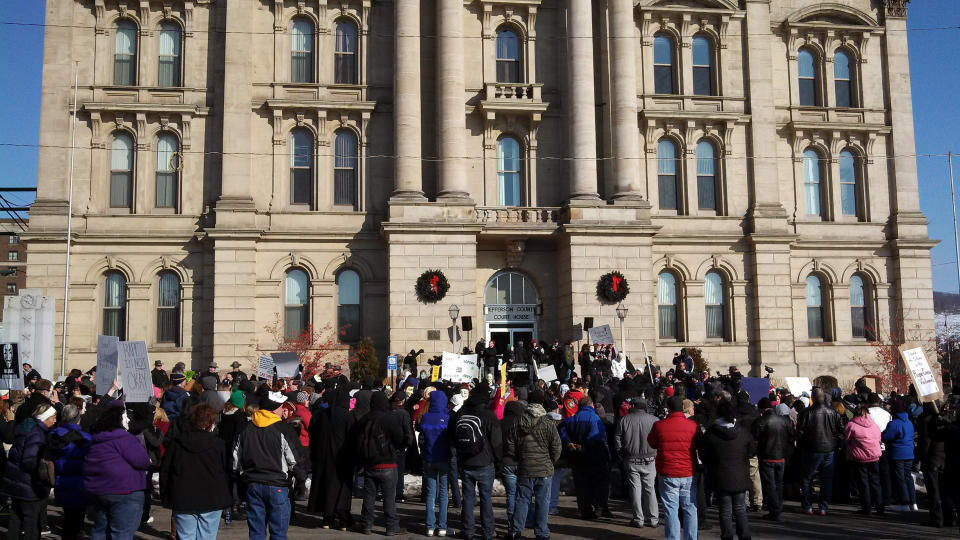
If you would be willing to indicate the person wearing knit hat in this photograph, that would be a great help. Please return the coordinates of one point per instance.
(173, 399)
(238, 399)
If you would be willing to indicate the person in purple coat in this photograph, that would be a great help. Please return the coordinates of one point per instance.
(114, 475)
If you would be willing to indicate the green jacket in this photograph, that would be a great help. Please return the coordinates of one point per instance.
(535, 442)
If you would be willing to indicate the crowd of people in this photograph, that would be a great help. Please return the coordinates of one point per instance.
(224, 447)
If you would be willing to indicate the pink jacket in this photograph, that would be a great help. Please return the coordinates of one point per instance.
(862, 440)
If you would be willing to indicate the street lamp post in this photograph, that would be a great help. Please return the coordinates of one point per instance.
(454, 312)
(622, 314)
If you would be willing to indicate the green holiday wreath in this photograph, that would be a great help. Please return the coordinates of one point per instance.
(612, 287)
(432, 286)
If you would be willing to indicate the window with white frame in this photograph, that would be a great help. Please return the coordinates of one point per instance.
(168, 70)
(345, 53)
(812, 182)
(808, 73)
(667, 167)
(301, 166)
(345, 168)
(115, 305)
(296, 311)
(125, 54)
(703, 66)
(815, 311)
(842, 80)
(301, 51)
(858, 306)
(509, 62)
(664, 64)
(714, 300)
(168, 157)
(121, 170)
(707, 176)
(168, 308)
(667, 312)
(509, 172)
(850, 185)
(348, 306)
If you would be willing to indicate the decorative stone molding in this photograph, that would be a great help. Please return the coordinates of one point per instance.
(896, 8)
(515, 253)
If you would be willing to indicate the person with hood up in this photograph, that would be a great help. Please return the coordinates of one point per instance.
(67, 446)
(585, 436)
(25, 481)
(479, 447)
(193, 477)
(435, 449)
(332, 458)
(379, 436)
(535, 443)
(725, 449)
(899, 438)
(512, 413)
(861, 444)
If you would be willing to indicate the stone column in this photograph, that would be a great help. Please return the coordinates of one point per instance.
(451, 105)
(626, 131)
(581, 108)
(407, 167)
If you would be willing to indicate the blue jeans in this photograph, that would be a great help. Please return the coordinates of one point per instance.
(903, 477)
(117, 516)
(679, 495)
(813, 462)
(475, 480)
(534, 491)
(435, 475)
(268, 506)
(555, 489)
(510, 486)
(197, 526)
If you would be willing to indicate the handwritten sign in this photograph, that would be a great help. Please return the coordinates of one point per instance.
(134, 366)
(601, 335)
(287, 363)
(265, 368)
(923, 378)
(459, 368)
(106, 362)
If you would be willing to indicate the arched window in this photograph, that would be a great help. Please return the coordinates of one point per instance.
(812, 189)
(168, 72)
(858, 306)
(713, 296)
(301, 50)
(115, 305)
(121, 170)
(125, 54)
(348, 306)
(167, 165)
(168, 308)
(667, 306)
(814, 308)
(296, 309)
(706, 175)
(849, 184)
(703, 73)
(664, 65)
(301, 166)
(345, 53)
(508, 56)
(510, 288)
(808, 70)
(667, 174)
(509, 173)
(345, 168)
(842, 81)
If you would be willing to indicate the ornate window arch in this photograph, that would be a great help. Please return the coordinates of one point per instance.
(509, 52)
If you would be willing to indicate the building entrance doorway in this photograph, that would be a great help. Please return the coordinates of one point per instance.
(510, 306)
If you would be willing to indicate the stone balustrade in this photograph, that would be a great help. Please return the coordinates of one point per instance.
(522, 92)
(517, 214)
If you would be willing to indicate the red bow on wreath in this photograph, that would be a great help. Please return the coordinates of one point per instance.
(616, 282)
(434, 279)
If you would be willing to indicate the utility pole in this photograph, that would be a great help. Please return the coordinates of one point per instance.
(953, 199)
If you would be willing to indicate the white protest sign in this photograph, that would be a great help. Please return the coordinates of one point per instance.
(265, 368)
(106, 362)
(134, 365)
(798, 385)
(287, 363)
(548, 374)
(601, 335)
(923, 378)
(459, 368)
(618, 366)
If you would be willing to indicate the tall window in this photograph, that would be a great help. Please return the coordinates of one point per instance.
(301, 166)
(703, 84)
(667, 306)
(125, 54)
(508, 56)
(168, 73)
(121, 170)
(168, 309)
(301, 47)
(667, 174)
(706, 176)
(858, 310)
(509, 174)
(849, 184)
(296, 309)
(167, 164)
(807, 70)
(664, 65)
(348, 306)
(115, 305)
(812, 192)
(714, 299)
(842, 80)
(814, 308)
(345, 53)
(345, 168)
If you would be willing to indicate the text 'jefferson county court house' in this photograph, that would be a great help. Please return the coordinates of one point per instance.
(748, 165)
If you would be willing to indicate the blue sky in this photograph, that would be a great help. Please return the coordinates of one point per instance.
(935, 76)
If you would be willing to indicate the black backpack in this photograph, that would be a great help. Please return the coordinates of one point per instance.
(469, 436)
(373, 445)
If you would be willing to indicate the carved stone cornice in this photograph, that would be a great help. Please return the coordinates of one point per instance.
(896, 8)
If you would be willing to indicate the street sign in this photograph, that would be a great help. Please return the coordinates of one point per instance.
(392, 362)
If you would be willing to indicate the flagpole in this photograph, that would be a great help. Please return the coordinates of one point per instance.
(66, 278)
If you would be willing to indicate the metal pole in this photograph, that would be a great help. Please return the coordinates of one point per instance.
(953, 199)
(66, 278)
(623, 342)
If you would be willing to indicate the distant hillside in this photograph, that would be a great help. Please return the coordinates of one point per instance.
(946, 302)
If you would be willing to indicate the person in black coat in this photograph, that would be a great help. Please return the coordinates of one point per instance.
(726, 449)
(332, 457)
(193, 476)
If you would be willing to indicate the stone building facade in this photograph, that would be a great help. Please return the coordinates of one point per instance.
(746, 164)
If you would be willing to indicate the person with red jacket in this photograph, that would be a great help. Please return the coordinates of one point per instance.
(675, 438)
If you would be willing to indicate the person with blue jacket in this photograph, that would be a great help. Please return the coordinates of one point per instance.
(67, 446)
(585, 437)
(435, 449)
(898, 436)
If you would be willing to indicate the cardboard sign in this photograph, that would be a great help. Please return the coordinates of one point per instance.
(287, 364)
(757, 388)
(134, 366)
(798, 385)
(601, 335)
(106, 362)
(11, 377)
(265, 368)
(923, 378)
(548, 374)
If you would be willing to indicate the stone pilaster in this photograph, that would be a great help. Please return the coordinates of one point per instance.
(626, 134)
(407, 167)
(582, 139)
(451, 105)
(234, 296)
